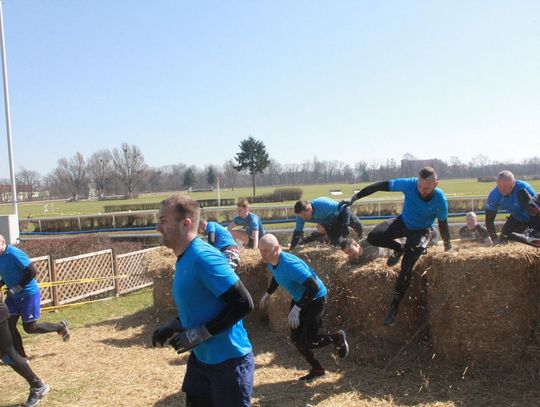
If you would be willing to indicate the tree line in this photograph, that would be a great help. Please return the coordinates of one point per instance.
(124, 171)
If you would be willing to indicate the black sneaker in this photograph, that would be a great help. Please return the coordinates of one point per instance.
(36, 394)
(342, 346)
(394, 258)
(63, 331)
(312, 375)
(391, 316)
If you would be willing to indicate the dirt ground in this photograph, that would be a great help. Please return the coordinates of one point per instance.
(112, 364)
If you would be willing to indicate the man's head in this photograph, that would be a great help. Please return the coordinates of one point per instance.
(242, 208)
(505, 182)
(303, 209)
(2, 244)
(351, 248)
(470, 218)
(178, 221)
(202, 226)
(269, 249)
(427, 182)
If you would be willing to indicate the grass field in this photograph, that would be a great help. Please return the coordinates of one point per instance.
(453, 187)
(109, 362)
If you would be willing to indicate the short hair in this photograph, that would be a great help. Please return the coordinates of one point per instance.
(346, 243)
(427, 172)
(185, 206)
(471, 215)
(505, 174)
(243, 203)
(300, 206)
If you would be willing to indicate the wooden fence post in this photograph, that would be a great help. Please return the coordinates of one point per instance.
(116, 273)
(53, 279)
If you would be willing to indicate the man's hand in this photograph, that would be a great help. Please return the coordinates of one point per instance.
(294, 317)
(11, 292)
(447, 246)
(161, 335)
(264, 301)
(189, 338)
(345, 203)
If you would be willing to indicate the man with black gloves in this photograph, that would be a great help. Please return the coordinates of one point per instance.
(23, 300)
(211, 302)
(12, 358)
(308, 304)
(422, 204)
(335, 220)
(514, 196)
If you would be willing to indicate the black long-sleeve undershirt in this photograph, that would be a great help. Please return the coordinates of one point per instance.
(311, 285)
(238, 305)
(444, 230)
(490, 224)
(371, 189)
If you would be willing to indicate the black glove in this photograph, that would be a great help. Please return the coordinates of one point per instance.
(163, 333)
(185, 340)
(345, 203)
(447, 246)
(11, 292)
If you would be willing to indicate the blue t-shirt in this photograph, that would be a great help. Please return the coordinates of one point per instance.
(203, 274)
(325, 211)
(223, 237)
(496, 200)
(291, 272)
(12, 264)
(417, 213)
(250, 223)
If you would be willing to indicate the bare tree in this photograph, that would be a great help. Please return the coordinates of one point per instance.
(230, 172)
(72, 174)
(130, 167)
(101, 169)
(28, 182)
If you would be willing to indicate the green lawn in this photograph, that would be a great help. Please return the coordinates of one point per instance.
(453, 187)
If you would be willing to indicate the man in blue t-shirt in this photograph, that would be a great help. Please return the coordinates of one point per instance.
(221, 239)
(517, 197)
(23, 300)
(422, 204)
(326, 212)
(308, 304)
(211, 302)
(251, 226)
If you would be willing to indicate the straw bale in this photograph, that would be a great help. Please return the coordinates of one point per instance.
(483, 304)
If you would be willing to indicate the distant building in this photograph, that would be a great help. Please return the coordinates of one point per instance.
(410, 168)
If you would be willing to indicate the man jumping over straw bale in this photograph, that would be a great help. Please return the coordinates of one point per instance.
(422, 204)
(221, 239)
(211, 302)
(514, 196)
(326, 212)
(23, 300)
(308, 304)
(251, 226)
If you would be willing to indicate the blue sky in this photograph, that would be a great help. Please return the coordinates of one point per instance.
(340, 80)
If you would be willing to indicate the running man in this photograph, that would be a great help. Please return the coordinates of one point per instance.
(221, 239)
(308, 304)
(13, 359)
(422, 204)
(474, 231)
(252, 229)
(514, 196)
(211, 302)
(334, 220)
(23, 297)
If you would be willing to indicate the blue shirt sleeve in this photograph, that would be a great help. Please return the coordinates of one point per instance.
(492, 202)
(254, 221)
(211, 227)
(402, 184)
(216, 273)
(299, 224)
(442, 208)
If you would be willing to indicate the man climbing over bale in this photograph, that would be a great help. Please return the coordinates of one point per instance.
(211, 302)
(326, 212)
(532, 235)
(474, 231)
(514, 196)
(221, 239)
(308, 304)
(423, 202)
(362, 252)
(23, 300)
(251, 226)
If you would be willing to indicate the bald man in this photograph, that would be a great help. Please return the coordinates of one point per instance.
(308, 304)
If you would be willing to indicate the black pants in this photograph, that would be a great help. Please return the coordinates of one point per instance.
(514, 225)
(383, 235)
(307, 337)
(340, 226)
(10, 355)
